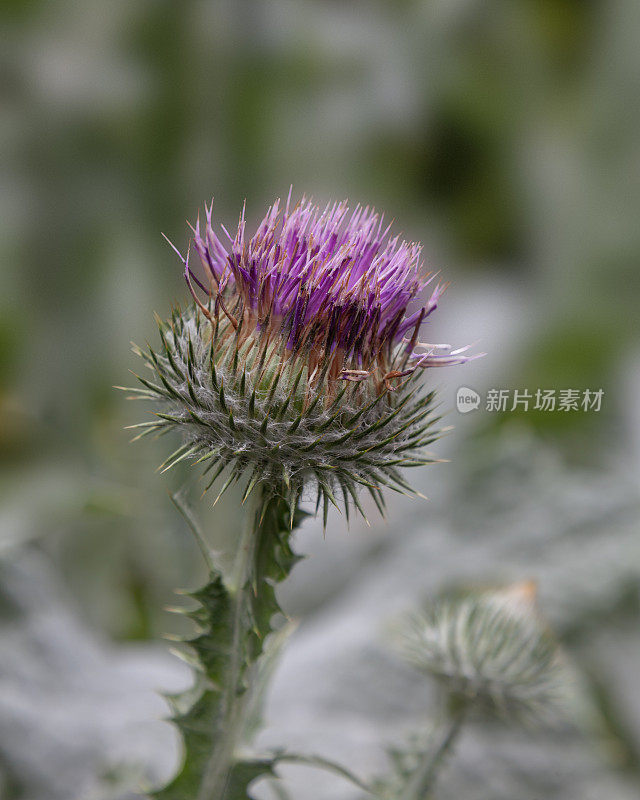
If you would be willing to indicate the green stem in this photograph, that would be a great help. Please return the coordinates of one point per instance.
(423, 779)
(183, 507)
(326, 764)
(233, 697)
(233, 615)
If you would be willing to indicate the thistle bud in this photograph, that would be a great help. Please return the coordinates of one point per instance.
(493, 649)
(298, 358)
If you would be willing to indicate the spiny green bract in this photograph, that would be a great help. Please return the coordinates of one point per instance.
(243, 401)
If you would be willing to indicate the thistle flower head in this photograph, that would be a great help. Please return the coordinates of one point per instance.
(299, 354)
(492, 648)
(333, 287)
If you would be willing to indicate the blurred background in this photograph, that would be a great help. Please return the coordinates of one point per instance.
(501, 134)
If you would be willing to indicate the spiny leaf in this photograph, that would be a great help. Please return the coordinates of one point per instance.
(233, 625)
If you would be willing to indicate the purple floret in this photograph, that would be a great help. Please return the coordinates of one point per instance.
(333, 284)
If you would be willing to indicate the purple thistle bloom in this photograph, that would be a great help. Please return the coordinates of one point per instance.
(333, 285)
(298, 359)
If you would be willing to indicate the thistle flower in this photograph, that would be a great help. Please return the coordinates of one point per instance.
(493, 649)
(299, 354)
